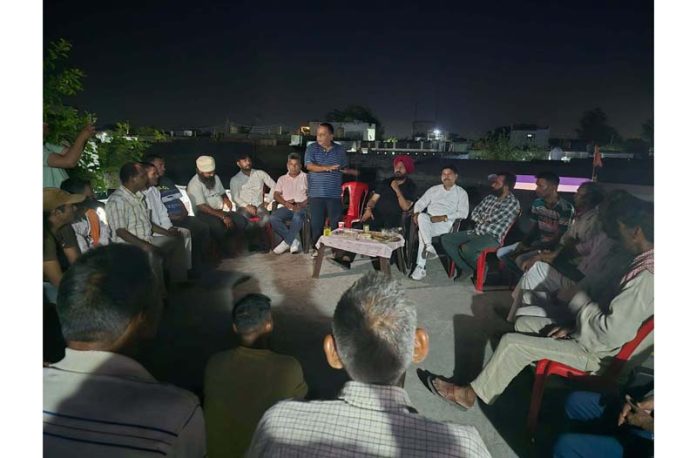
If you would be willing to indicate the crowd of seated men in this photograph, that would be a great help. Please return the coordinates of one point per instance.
(585, 287)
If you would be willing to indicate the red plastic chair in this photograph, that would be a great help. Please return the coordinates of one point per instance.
(605, 381)
(357, 195)
(481, 260)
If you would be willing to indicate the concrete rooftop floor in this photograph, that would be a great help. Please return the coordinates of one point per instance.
(463, 325)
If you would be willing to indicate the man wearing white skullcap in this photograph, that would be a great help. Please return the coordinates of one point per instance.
(208, 199)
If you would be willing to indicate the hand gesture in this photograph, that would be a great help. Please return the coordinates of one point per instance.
(331, 168)
(638, 415)
(251, 209)
(367, 215)
(228, 222)
(174, 232)
(415, 219)
(87, 131)
(395, 186)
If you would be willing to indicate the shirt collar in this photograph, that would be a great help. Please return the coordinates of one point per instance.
(103, 363)
(376, 397)
(138, 196)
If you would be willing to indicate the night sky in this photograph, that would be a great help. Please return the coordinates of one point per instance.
(469, 66)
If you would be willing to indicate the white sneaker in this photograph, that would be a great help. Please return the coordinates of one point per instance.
(429, 252)
(418, 273)
(295, 247)
(281, 248)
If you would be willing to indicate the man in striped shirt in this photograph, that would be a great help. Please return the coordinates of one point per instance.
(325, 161)
(98, 400)
(130, 222)
(493, 218)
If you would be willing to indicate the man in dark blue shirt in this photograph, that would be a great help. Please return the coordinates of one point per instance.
(325, 161)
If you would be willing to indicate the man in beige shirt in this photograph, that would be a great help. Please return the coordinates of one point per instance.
(242, 383)
(597, 334)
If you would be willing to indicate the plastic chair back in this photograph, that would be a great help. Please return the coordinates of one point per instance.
(357, 197)
(608, 379)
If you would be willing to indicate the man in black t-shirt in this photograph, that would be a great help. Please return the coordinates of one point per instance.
(390, 199)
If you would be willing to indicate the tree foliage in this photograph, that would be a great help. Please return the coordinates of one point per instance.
(497, 147)
(357, 113)
(61, 81)
(101, 158)
(594, 128)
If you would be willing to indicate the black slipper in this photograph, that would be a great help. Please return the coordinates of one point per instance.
(429, 380)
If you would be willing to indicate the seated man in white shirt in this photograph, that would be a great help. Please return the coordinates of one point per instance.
(246, 188)
(98, 400)
(158, 212)
(291, 193)
(444, 203)
(374, 338)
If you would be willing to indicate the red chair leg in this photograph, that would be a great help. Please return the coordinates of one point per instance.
(480, 271)
(452, 270)
(537, 395)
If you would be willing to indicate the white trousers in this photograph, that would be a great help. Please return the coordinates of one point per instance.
(186, 234)
(533, 295)
(426, 232)
(518, 349)
(174, 259)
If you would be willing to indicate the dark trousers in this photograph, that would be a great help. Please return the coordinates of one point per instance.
(465, 247)
(200, 240)
(319, 209)
(218, 230)
(601, 437)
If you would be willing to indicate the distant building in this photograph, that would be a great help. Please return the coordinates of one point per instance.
(355, 130)
(522, 135)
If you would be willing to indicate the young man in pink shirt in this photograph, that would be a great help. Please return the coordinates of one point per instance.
(291, 193)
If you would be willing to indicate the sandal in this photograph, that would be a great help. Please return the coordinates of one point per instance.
(430, 381)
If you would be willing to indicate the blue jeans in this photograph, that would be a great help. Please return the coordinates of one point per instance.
(278, 219)
(319, 209)
(588, 407)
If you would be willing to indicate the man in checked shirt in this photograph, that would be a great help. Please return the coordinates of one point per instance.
(374, 338)
(493, 217)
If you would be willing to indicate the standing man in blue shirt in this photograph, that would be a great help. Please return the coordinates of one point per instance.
(325, 161)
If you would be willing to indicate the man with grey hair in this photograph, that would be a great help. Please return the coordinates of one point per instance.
(374, 338)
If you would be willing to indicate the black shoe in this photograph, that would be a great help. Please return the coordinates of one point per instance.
(462, 275)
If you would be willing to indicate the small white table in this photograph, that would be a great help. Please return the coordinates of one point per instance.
(347, 240)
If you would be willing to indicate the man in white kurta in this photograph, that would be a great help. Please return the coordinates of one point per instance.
(434, 214)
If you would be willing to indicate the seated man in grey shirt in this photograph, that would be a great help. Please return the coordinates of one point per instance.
(98, 400)
(211, 204)
(374, 339)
